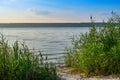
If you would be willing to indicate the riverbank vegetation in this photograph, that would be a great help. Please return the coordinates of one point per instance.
(17, 62)
(97, 52)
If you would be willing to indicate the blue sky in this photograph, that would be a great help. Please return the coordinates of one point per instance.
(49, 11)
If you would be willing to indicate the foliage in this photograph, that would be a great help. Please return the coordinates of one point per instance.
(97, 52)
(17, 62)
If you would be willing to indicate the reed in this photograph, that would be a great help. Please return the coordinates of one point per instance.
(17, 62)
(97, 52)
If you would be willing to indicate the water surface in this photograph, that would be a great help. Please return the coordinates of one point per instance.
(49, 40)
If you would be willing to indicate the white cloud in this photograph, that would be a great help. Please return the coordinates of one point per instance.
(39, 11)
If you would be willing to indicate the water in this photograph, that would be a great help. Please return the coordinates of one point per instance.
(49, 40)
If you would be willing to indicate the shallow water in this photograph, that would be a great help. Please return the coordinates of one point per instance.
(49, 40)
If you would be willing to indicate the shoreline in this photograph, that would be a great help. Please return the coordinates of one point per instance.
(17, 25)
(65, 73)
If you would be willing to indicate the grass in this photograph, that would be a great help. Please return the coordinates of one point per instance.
(17, 62)
(97, 52)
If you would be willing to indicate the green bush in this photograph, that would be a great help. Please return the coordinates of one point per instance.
(97, 52)
(17, 62)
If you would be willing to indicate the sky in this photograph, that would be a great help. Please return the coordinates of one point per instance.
(56, 11)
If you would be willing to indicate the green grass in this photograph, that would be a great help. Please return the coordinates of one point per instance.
(97, 52)
(17, 62)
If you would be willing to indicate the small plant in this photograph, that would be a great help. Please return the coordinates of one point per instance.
(17, 62)
(97, 52)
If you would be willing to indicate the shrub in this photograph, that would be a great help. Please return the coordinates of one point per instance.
(97, 52)
(17, 62)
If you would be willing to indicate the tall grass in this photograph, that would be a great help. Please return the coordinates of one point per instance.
(17, 62)
(97, 52)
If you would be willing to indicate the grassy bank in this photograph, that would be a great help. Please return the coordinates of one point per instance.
(97, 52)
(17, 62)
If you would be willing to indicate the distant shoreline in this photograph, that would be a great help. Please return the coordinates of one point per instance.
(3, 25)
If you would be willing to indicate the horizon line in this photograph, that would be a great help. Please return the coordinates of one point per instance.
(49, 22)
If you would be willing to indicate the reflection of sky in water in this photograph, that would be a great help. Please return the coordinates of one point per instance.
(48, 40)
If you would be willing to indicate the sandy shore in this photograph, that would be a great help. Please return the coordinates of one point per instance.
(66, 74)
